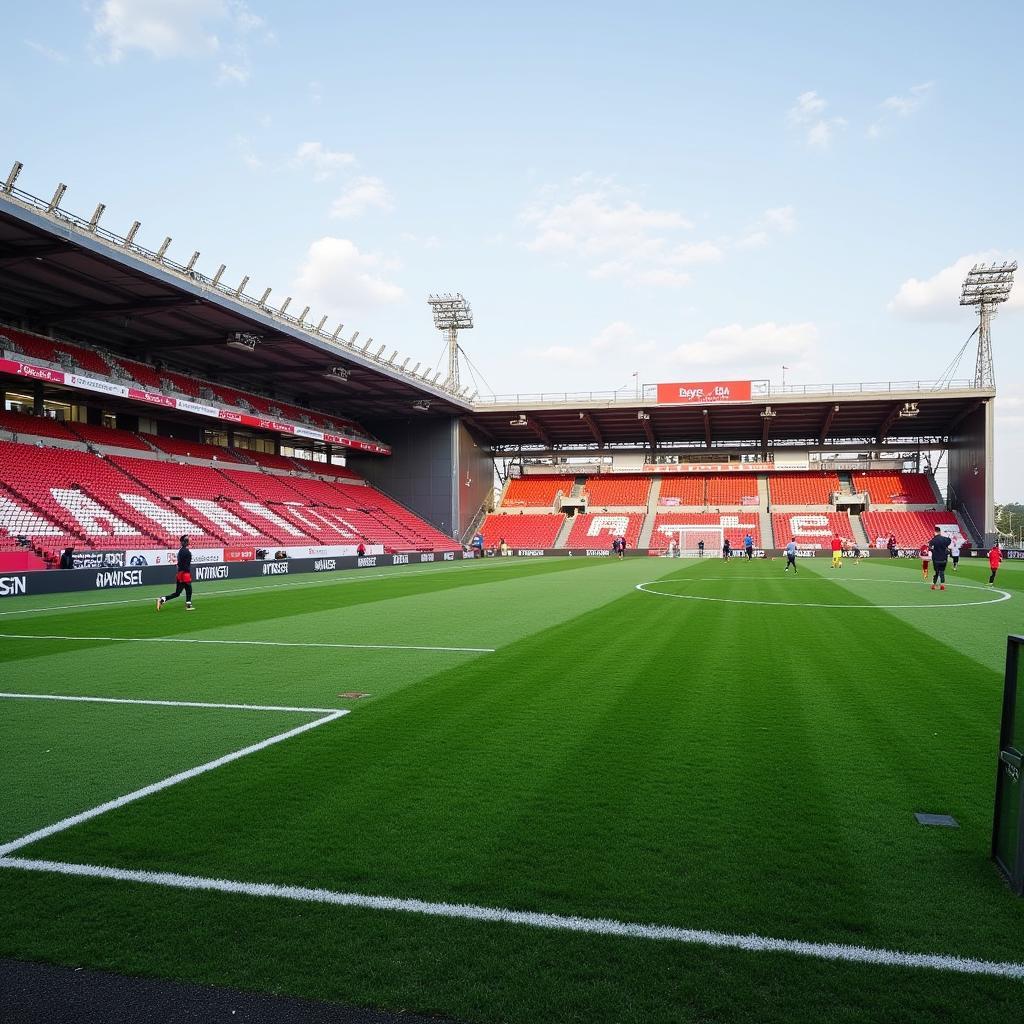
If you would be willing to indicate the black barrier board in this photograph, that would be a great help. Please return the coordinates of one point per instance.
(1008, 821)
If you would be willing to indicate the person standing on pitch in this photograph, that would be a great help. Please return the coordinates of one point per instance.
(791, 554)
(183, 579)
(995, 556)
(748, 546)
(925, 554)
(939, 546)
(954, 550)
(837, 552)
(726, 549)
(700, 549)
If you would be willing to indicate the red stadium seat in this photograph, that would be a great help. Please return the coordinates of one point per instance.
(536, 491)
(620, 490)
(735, 526)
(911, 529)
(599, 529)
(895, 488)
(522, 530)
(689, 488)
(811, 529)
(808, 487)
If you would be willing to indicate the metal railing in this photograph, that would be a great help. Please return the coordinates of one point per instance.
(213, 284)
(761, 390)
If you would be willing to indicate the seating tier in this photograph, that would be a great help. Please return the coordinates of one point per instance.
(522, 530)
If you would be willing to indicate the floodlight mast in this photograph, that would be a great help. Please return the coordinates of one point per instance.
(452, 313)
(986, 287)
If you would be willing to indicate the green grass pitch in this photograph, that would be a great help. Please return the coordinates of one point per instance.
(729, 749)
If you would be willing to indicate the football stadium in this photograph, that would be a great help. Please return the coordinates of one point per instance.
(339, 687)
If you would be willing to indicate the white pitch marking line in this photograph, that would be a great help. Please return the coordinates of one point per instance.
(245, 643)
(156, 787)
(555, 922)
(322, 581)
(645, 588)
(168, 703)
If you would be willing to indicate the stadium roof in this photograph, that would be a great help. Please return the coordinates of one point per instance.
(896, 416)
(60, 274)
(67, 275)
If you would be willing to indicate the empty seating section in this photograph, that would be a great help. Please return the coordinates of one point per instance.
(30, 344)
(538, 530)
(88, 362)
(173, 480)
(811, 487)
(895, 488)
(109, 436)
(811, 529)
(535, 491)
(598, 529)
(34, 426)
(264, 486)
(326, 469)
(186, 385)
(689, 488)
(618, 490)
(684, 528)
(911, 529)
(191, 449)
(140, 373)
(266, 459)
(732, 488)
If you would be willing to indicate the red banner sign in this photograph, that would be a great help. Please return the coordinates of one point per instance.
(703, 392)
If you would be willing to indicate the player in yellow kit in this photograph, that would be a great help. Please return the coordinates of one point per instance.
(837, 552)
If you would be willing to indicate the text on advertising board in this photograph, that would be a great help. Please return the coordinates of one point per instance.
(705, 391)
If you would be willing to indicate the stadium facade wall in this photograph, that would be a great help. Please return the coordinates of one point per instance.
(971, 469)
(432, 460)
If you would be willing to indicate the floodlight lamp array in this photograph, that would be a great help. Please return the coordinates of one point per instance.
(451, 312)
(988, 284)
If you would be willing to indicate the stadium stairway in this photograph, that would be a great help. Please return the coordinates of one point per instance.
(860, 535)
(562, 538)
(652, 510)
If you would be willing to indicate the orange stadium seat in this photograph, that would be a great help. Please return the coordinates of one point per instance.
(598, 529)
(731, 488)
(618, 489)
(522, 531)
(808, 487)
(895, 488)
(689, 488)
(911, 529)
(535, 491)
(811, 529)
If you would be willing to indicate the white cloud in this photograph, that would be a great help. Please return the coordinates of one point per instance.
(248, 155)
(167, 29)
(45, 51)
(615, 236)
(782, 218)
(899, 107)
(337, 277)
(808, 115)
(361, 195)
(323, 162)
(750, 349)
(618, 337)
(937, 298)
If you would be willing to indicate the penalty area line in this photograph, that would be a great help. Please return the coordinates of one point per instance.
(751, 943)
(245, 643)
(156, 787)
(168, 703)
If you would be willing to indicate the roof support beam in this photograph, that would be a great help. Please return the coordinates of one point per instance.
(652, 439)
(595, 430)
(539, 429)
(826, 426)
(967, 412)
(886, 425)
(57, 316)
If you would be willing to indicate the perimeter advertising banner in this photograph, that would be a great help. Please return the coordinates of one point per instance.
(702, 392)
(18, 368)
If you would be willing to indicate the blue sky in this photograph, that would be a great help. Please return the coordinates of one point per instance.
(667, 188)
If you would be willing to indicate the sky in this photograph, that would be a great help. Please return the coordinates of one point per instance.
(683, 191)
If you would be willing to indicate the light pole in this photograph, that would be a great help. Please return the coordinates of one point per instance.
(636, 383)
(986, 287)
(452, 313)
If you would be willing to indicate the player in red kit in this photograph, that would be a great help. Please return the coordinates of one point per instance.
(926, 554)
(995, 556)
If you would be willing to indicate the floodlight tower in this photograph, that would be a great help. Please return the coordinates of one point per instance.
(985, 287)
(452, 313)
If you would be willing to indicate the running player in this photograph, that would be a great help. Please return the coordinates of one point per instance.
(995, 556)
(748, 546)
(726, 549)
(791, 554)
(837, 552)
(183, 579)
(954, 550)
(926, 553)
(939, 546)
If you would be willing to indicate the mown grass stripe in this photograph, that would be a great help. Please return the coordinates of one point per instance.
(556, 922)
